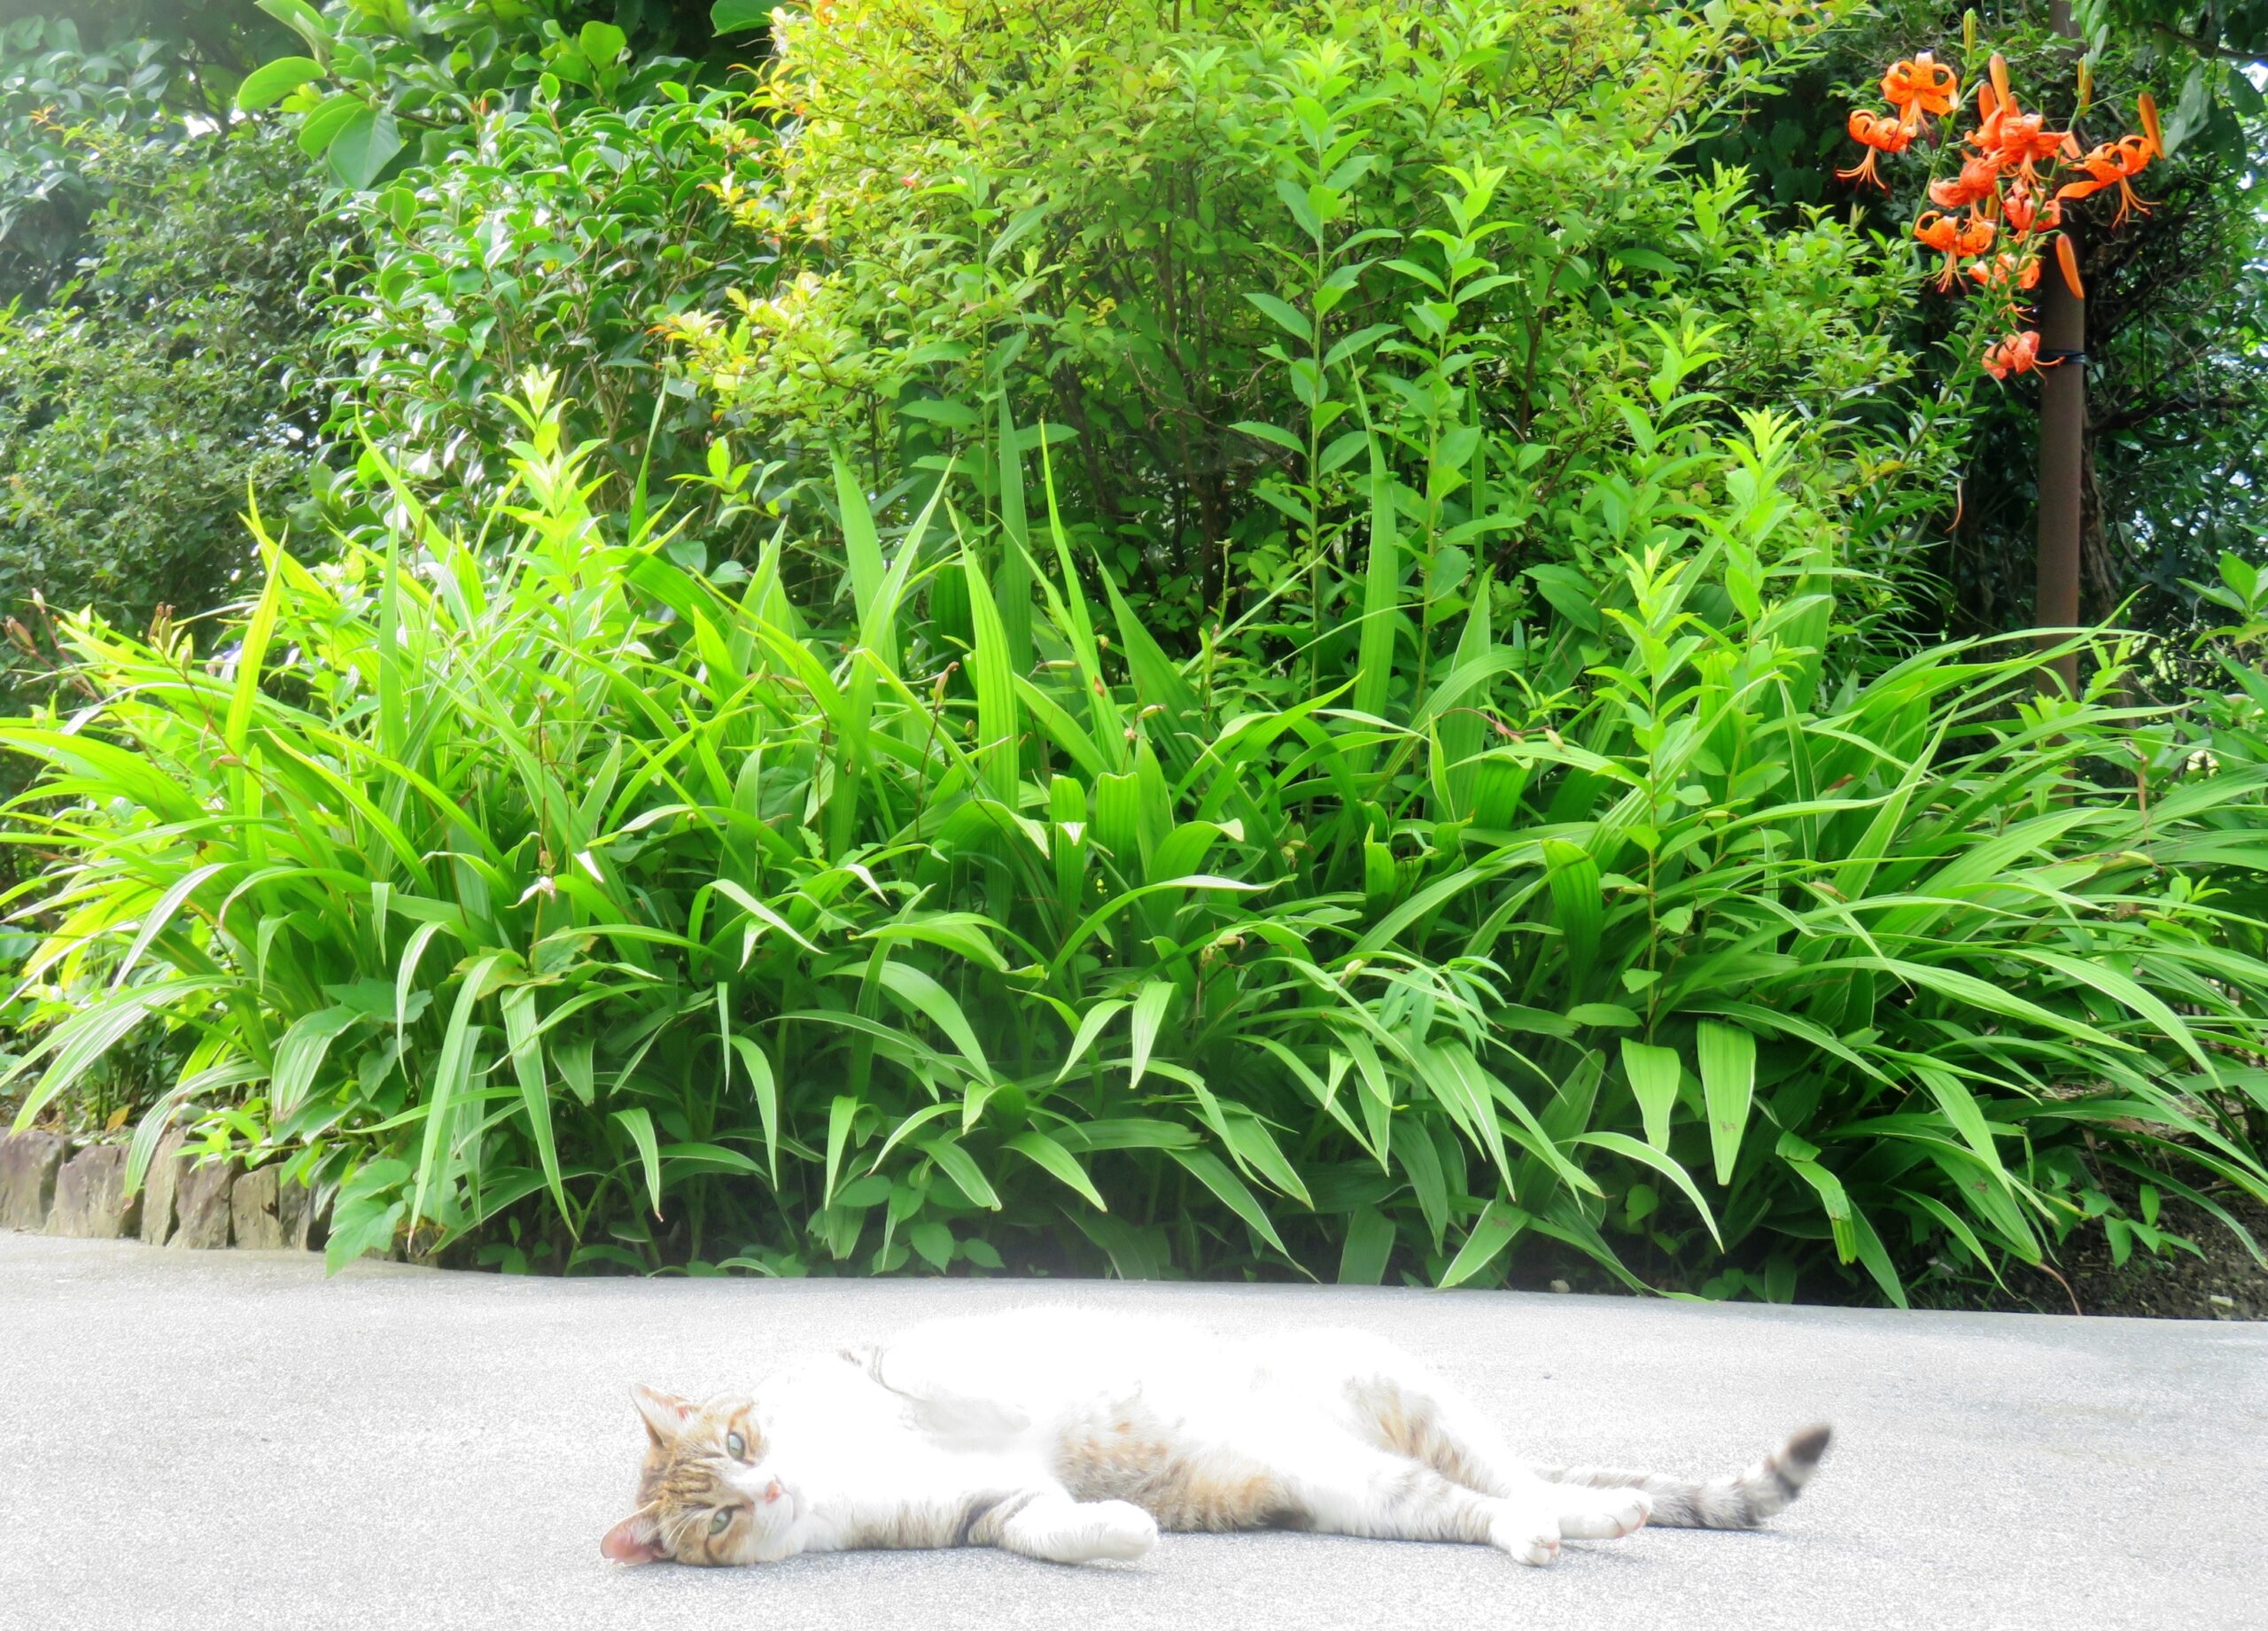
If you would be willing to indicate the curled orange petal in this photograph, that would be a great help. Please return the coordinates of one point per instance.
(1879, 130)
(2146, 105)
(2007, 271)
(1920, 86)
(2025, 211)
(1977, 182)
(2017, 353)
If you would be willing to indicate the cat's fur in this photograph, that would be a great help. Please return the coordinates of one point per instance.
(1073, 1436)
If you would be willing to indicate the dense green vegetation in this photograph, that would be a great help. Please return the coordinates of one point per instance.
(135, 417)
(1257, 642)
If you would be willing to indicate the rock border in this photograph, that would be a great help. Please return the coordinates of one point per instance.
(57, 1186)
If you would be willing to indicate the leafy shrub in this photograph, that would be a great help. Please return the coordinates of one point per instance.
(1192, 239)
(548, 895)
(53, 90)
(553, 235)
(169, 380)
(525, 192)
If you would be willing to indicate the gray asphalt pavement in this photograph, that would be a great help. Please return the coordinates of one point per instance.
(229, 1439)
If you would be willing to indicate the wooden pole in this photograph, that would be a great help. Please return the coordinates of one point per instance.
(2063, 430)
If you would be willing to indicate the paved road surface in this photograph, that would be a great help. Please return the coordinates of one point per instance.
(229, 1439)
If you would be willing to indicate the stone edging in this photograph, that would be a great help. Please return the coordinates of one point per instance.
(64, 1187)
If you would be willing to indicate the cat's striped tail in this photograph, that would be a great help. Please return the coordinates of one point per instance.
(1741, 1500)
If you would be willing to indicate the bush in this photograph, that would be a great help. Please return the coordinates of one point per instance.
(53, 92)
(556, 901)
(555, 233)
(167, 382)
(525, 191)
(1192, 239)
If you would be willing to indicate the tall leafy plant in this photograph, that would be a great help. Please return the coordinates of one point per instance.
(529, 891)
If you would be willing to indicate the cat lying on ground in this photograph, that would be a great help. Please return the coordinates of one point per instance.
(1072, 1436)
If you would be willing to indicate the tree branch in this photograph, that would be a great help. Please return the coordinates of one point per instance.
(2208, 47)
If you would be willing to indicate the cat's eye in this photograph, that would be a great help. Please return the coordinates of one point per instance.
(736, 1446)
(721, 1521)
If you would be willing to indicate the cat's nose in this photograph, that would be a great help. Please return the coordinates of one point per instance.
(772, 1491)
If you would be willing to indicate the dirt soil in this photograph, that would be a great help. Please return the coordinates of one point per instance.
(2220, 1281)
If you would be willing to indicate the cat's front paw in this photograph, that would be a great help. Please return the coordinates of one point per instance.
(1123, 1531)
(1527, 1536)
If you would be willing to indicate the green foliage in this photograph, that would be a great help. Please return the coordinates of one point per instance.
(138, 412)
(543, 893)
(2219, 44)
(384, 83)
(552, 234)
(1330, 698)
(2178, 415)
(1192, 238)
(52, 90)
(523, 191)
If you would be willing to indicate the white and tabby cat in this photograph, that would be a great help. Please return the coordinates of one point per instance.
(1071, 1436)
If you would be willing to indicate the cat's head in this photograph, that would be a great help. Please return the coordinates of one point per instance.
(705, 1494)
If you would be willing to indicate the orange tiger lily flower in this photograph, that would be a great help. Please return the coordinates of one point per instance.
(2024, 209)
(2018, 353)
(2067, 262)
(2113, 164)
(1955, 240)
(2007, 271)
(1992, 101)
(2021, 142)
(1979, 180)
(1920, 87)
(2014, 139)
(1879, 134)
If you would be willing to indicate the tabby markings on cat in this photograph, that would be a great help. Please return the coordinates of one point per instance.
(1075, 1436)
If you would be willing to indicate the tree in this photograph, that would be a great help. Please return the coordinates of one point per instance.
(137, 416)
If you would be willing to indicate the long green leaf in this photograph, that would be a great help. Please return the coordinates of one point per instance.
(638, 1122)
(452, 1074)
(1051, 1158)
(1727, 1056)
(521, 1032)
(1495, 1230)
(1654, 1074)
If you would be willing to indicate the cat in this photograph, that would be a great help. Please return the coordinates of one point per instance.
(1074, 1436)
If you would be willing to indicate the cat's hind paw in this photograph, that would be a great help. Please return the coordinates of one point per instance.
(1604, 1514)
(1122, 1531)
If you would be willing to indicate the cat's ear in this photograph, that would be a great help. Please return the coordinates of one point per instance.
(636, 1539)
(664, 1414)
